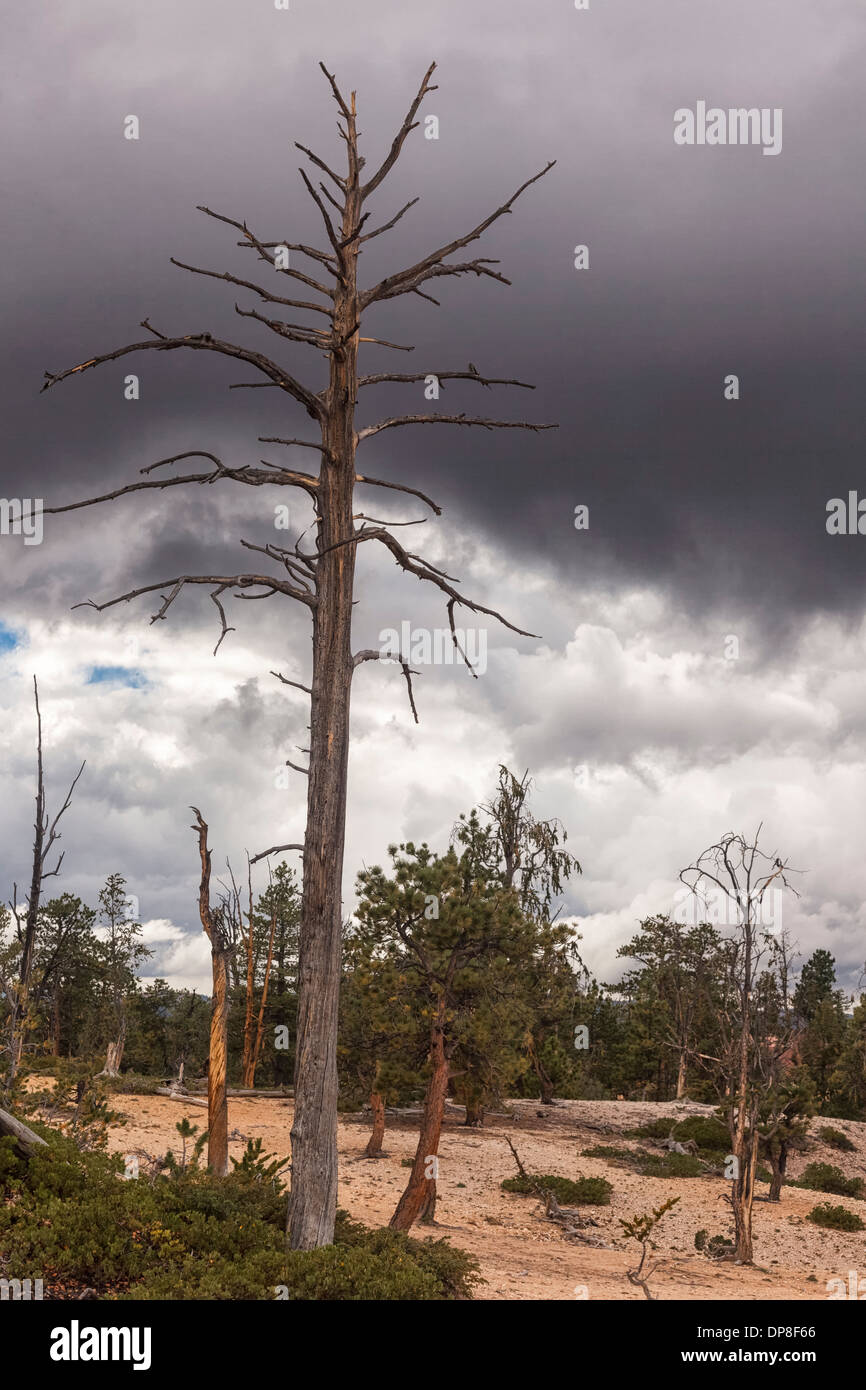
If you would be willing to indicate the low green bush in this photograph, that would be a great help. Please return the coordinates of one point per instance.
(131, 1083)
(67, 1216)
(671, 1166)
(706, 1131)
(589, 1192)
(606, 1151)
(836, 1139)
(714, 1247)
(823, 1177)
(835, 1218)
(655, 1129)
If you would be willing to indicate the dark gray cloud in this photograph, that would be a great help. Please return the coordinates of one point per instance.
(706, 516)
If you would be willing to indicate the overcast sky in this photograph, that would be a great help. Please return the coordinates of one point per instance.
(644, 734)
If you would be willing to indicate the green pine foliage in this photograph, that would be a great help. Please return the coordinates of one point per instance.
(68, 1216)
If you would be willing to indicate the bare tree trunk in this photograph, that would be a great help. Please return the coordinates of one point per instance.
(681, 1076)
(779, 1164)
(18, 1018)
(742, 1198)
(419, 1198)
(219, 934)
(247, 1063)
(44, 836)
(260, 1022)
(474, 1114)
(745, 1134)
(114, 1051)
(313, 1200)
(324, 583)
(545, 1084)
(217, 1100)
(374, 1143)
(25, 1140)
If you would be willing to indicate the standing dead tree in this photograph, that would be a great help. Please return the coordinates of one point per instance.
(222, 930)
(45, 836)
(323, 578)
(754, 1015)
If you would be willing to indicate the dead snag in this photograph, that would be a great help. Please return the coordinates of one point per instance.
(221, 929)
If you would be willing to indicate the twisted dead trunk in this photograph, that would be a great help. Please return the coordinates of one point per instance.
(419, 1199)
(313, 1200)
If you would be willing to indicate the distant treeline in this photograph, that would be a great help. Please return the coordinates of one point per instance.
(455, 954)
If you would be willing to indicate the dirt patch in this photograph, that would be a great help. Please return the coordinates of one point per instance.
(524, 1257)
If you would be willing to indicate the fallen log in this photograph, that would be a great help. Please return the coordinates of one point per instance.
(176, 1095)
(26, 1142)
(245, 1093)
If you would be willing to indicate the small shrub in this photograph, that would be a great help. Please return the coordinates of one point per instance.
(589, 1192)
(655, 1129)
(606, 1151)
(671, 1166)
(707, 1132)
(836, 1139)
(132, 1083)
(714, 1247)
(823, 1177)
(835, 1218)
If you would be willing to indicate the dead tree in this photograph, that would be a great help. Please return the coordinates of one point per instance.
(248, 943)
(323, 578)
(250, 1076)
(753, 1042)
(45, 836)
(222, 932)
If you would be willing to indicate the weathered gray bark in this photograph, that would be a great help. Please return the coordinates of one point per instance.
(25, 1140)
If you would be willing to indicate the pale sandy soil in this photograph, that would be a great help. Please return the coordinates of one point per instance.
(523, 1256)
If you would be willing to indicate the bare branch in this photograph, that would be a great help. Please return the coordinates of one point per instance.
(202, 342)
(398, 487)
(422, 569)
(320, 163)
(275, 849)
(257, 289)
(219, 582)
(449, 420)
(262, 249)
(326, 218)
(338, 96)
(301, 443)
(294, 332)
(413, 275)
(370, 655)
(386, 227)
(400, 138)
(468, 375)
(297, 684)
(245, 474)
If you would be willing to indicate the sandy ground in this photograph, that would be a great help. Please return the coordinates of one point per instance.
(522, 1255)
